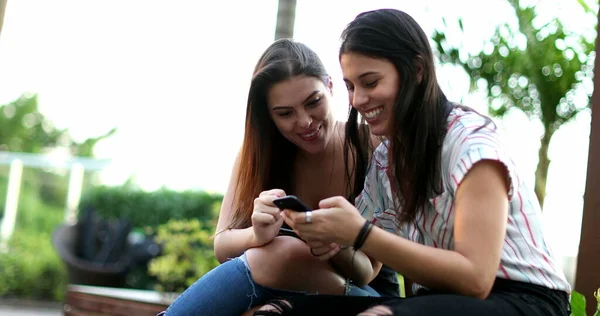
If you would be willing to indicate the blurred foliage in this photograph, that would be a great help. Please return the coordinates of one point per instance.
(151, 208)
(541, 71)
(187, 254)
(31, 268)
(597, 296)
(24, 129)
(577, 304)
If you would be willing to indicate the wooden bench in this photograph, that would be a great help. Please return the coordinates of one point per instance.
(84, 300)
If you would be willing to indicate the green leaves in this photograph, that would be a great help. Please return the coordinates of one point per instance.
(537, 70)
(151, 208)
(577, 304)
(24, 129)
(187, 254)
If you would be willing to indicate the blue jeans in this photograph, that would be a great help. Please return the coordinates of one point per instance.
(230, 290)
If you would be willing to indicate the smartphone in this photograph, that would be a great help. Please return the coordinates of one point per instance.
(291, 202)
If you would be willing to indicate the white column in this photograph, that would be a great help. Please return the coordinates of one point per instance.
(74, 193)
(11, 205)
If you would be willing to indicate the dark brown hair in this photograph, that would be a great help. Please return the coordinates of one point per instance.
(259, 170)
(418, 124)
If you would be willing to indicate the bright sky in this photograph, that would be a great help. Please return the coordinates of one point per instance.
(173, 78)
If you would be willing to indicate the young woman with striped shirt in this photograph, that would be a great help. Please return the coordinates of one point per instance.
(444, 204)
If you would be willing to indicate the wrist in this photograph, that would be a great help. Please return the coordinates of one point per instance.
(253, 241)
(362, 235)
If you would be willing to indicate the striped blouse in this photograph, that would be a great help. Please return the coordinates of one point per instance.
(526, 256)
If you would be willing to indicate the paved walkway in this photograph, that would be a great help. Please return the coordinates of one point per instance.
(29, 308)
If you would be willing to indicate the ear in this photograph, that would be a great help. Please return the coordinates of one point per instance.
(419, 65)
(329, 84)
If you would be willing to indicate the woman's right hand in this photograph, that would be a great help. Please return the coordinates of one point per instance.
(266, 217)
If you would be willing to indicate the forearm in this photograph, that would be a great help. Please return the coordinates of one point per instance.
(431, 267)
(355, 265)
(232, 243)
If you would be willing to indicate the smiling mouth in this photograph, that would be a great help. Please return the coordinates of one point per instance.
(374, 113)
(311, 135)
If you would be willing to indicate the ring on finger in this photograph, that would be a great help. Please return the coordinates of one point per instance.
(308, 216)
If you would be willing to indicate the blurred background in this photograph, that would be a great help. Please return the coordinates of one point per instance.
(151, 97)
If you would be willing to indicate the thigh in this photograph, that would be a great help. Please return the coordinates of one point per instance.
(497, 304)
(225, 290)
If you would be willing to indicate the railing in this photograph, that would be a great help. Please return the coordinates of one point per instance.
(76, 166)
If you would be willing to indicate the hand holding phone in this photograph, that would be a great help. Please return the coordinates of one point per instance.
(291, 202)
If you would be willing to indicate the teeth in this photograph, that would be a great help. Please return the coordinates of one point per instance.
(373, 113)
(309, 135)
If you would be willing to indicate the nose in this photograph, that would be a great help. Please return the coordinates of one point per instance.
(304, 119)
(359, 98)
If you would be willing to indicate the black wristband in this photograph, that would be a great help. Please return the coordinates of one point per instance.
(362, 235)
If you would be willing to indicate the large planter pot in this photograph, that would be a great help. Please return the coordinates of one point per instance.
(66, 239)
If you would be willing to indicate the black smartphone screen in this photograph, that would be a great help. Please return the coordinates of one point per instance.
(291, 202)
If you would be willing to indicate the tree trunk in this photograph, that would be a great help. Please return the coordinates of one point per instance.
(2, 10)
(541, 173)
(286, 17)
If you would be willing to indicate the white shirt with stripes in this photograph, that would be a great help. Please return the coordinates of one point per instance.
(526, 256)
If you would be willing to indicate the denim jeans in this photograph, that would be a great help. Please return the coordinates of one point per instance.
(230, 290)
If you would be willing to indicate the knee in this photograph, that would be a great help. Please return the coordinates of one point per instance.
(285, 258)
(277, 257)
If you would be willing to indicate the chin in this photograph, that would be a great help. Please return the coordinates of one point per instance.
(313, 149)
(378, 130)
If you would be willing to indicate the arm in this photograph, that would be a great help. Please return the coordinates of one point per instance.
(357, 266)
(231, 243)
(479, 229)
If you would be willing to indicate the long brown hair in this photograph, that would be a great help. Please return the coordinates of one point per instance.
(418, 125)
(259, 169)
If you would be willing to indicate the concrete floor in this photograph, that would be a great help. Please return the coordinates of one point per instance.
(29, 308)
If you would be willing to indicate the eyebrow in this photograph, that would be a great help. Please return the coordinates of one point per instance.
(281, 107)
(363, 75)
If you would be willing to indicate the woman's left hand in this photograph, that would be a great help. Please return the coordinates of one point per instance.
(337, 221)
(324, 252)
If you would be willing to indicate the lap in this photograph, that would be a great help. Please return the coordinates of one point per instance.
(507, 298)
(497, 304)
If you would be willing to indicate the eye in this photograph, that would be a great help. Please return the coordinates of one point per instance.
(349, 87)
(371, 84)
(284, 114)
(314, 102)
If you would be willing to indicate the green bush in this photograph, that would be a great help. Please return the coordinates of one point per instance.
(187, 254)
(31, 268)
(151, 208)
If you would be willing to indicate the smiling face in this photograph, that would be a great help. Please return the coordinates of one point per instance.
(300, 109)
(373, 85)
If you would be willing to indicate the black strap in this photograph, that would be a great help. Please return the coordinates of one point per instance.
(362, 235)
